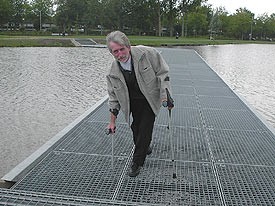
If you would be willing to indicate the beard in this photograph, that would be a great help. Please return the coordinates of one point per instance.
(123, 58)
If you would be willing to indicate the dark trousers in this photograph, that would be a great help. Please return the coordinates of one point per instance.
(142, 127)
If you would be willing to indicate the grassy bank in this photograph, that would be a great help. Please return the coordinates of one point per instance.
(182, 41)
(52, 41)
(21, 41)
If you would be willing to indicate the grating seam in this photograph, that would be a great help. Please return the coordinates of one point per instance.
(119, 185)
(215, 170)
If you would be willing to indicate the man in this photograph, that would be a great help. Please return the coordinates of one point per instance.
(137, 84)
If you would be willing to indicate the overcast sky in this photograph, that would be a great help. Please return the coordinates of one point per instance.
(257, 7)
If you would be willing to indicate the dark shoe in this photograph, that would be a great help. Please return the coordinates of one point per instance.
(134, 170)
(149, 151)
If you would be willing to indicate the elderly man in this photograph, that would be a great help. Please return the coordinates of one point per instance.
(137, 84)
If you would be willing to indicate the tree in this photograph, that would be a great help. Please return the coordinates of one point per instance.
(70, 14)
(5, 11)
(240, 23)
(197, 22)
(43, 11)
(187, 6)
(171, 12)
(18, 12)
(218, 21)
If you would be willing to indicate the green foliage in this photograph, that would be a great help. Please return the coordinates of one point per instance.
(5, 11)
(139, 17)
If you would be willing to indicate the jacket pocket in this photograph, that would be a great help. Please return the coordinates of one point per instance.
(148, 75)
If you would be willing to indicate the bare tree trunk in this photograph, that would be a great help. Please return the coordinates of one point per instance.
(182, 27)
(159, 20)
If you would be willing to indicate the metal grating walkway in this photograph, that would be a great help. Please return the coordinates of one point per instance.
(224, 153)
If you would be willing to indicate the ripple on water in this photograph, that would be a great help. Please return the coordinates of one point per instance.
(250, 70)
(42, 91)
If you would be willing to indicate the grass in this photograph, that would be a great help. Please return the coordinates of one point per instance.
(57, 41)
(23, 41)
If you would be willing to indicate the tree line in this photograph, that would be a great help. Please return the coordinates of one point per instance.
(137, 17)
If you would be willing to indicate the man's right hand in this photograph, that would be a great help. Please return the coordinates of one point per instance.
(111, 128)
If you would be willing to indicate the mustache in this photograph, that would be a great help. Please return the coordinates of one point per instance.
(122, 57)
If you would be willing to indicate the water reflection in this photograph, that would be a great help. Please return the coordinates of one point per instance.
(249, 70)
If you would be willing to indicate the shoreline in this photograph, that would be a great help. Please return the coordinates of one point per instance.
(67, 41)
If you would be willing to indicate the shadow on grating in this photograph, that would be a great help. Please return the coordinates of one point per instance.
(247, 185)
(194, 185)
(242, 147)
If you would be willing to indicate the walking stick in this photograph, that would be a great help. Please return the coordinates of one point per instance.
(109, 131)
(170, 105)
(171, 143)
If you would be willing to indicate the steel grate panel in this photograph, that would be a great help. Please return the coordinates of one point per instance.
(242, 147)
(189, 144)
(185, 117)
(205, 77)
(247, 185)
(174, 73)
(208, 83)
(93, 140)
(20, 197)
(215, 91)
(234, 120)
(196, 63)
(74, 174)
(180, 75)
(182, 101)
(203, 72)
(229, 103)
(194, 185)
(178, 67)
(183, 90)
(181, 82)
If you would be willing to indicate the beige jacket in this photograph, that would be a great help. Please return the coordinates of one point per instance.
(151, 72)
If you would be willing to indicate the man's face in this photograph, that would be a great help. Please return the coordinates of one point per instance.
(121, 53)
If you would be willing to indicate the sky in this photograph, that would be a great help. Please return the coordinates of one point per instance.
(257, 7)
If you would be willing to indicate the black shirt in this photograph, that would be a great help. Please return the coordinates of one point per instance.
(132, 84)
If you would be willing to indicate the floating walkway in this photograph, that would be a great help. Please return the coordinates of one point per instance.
(224, 152)
(87, 43)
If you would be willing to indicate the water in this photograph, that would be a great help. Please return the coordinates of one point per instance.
(42, 91)
(249, 70)
(45, 89)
